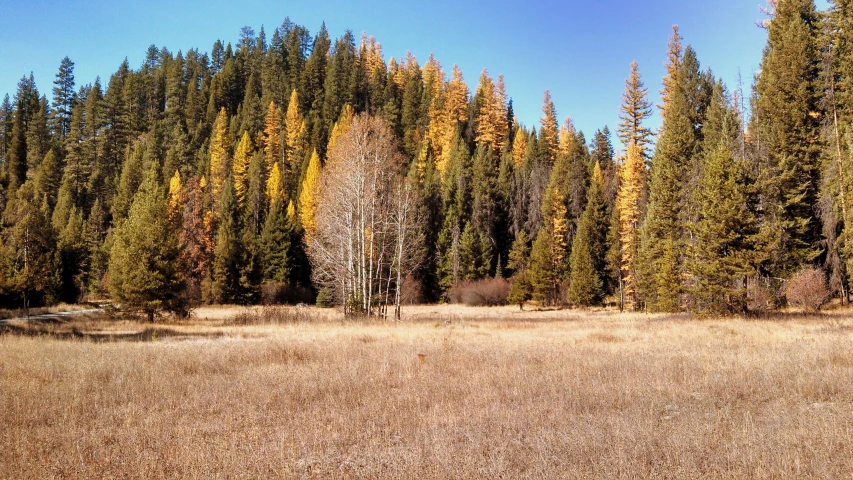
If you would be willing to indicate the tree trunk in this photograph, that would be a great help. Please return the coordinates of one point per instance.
(150, 316)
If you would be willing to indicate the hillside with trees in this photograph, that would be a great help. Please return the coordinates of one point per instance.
(291, 164)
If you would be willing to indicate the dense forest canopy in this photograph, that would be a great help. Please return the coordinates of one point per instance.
(202, 178)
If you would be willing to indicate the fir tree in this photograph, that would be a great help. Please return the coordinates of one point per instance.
(228, 253)
(144, 268)
(786, 119)
(727, 245)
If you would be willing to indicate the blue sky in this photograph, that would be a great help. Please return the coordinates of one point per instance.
(580, 50)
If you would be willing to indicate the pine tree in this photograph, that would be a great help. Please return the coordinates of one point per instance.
(31, 260)
(786, 119)
(635, 109)
(144, 268)
(589, 248)
(659, 256)
(585, 288)
(63, 97)
(275, 242)
(727, 245)
(228, 252)
(673, 59)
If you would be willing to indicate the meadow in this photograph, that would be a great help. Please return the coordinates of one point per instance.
(448, 392)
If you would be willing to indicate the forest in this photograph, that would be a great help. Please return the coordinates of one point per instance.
(222, 178)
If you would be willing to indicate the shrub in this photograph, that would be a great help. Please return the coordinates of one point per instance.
(411, 291)
(276, 293)
(488, 292)
(326, 298)
(273, 315)
(807, 289)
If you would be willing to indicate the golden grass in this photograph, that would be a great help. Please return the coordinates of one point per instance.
(447, 393)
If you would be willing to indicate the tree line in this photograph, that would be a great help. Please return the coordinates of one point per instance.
(279, 169)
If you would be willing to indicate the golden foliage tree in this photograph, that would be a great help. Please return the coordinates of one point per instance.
(275, 185)
(219, 145)
(175, 196)
(444, 119)
(341, 126)
(631, 190)
(294, 136)
(308, 195)
(272, 136)
(548, 128)
(240, 168)
(491, 124)
(519, 147)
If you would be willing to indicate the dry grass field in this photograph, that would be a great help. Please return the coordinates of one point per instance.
(449, 392)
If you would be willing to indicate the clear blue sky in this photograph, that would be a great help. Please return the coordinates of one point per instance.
(580, 50)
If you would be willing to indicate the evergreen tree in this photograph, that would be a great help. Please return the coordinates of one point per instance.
(589, 248)
(63, 97)
(228, 252)
(275, 243)
(786, 119)
(31, 262)
(144, 269)
(635, 109)
(728, 246)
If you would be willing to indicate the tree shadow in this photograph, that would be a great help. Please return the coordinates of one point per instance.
(48, 328)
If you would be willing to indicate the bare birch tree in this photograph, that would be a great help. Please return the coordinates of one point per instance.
(366, 235)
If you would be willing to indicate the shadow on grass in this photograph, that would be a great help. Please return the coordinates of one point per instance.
(52, 328)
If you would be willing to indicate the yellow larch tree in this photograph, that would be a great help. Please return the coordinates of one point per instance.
(454, 109)
(519, 147)
(371, 51)
(294, 132)
(272, 136)
(631, 189)
(175, 196)
(308, 195)
(548, 128)
(219, 145)
(274, 186)
(567, 136)
(240, 168)
(491, 127)
(340, 127)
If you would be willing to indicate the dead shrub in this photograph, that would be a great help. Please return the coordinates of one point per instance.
(489, 292)
(411, 292)
(277, 293)
(807, 289)
(273, 316)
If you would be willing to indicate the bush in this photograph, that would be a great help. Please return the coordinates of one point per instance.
(807, 289)
(326, 298)
(488, 292)
(273, 316)
(277, 293)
